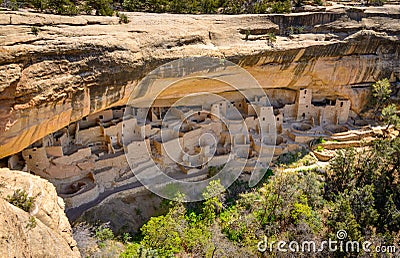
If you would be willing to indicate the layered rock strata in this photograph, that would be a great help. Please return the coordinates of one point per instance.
(76, 66)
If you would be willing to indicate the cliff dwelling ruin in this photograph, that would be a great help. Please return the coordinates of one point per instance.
(88, 157)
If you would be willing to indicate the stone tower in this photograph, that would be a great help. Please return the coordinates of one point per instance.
(304, 104)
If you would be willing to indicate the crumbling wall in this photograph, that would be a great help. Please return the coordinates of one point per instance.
(36, 160)
(54, 151)
(289, 112)
(343, 110)
(91, 135)
(73, 158)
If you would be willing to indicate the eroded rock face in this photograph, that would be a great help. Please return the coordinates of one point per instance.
(75, 67)
(51, 236)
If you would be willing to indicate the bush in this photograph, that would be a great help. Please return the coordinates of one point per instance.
(318, 2)
(21, 200)
(298, 3)
(247, 33)
(102, 7)
(61, 7)
(31, 223)
(376, 2)
(212, 171)
(123, 18)
(320, 140)
(291, 157)
(294, 30)
(40, 5)
(281, 7)
(137, 250)
(390, 117)
(35, 30)
(11, 4)
(381, 91)
(103, 233)
(126, 238)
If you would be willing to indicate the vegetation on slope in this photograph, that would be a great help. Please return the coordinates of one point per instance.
(21, 200)
(359, 193)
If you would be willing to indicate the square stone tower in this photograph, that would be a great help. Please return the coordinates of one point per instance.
(342, 110)
(304, 98)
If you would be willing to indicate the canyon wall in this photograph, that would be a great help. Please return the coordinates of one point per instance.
(76, 66)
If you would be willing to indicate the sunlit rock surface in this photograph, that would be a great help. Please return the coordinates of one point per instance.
(76, 66)
(49, 236)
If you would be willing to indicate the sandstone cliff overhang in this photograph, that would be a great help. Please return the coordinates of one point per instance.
(76, 66)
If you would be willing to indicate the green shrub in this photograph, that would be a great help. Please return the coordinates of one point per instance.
(126, 238)
(281, 7)
(21, 200)
(390, 117)
(137, 250)
(247, 33)
(85, 8)
(294, 30)
(320, 140)
(260, 7)
(271, 38)
(39, 5)
(35, 30)
(292, 157)
(212, 171)
(376, 2)
(298, 3)
(103, 233)
(31, 223)
(234, 7)
(66, 7)
(318, 2)
(381, 91)
(161, 234)
(102, 7)
(12, 4)
(308, 160)
(123, 18)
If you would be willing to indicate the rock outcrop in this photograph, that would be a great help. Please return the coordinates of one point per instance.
(45, 231)
(76, 66)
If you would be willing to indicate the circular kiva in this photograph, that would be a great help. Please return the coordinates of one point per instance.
(139, 140)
